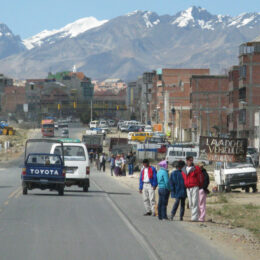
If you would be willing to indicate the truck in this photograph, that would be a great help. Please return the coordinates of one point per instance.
(47, 128)
(233, 175)
(117, 141)
(43, 170)
(93, 142)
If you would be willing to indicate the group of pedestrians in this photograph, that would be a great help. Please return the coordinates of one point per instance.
(188, 180)
(118, 164)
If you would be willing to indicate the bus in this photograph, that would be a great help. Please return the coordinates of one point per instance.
(47, 127)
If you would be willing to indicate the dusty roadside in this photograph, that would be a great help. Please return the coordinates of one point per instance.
(241, 242)
(17, 142)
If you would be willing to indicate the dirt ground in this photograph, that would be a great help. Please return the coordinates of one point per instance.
(237, 241)
(16, 143)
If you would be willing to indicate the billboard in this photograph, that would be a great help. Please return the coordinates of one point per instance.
(223, 149)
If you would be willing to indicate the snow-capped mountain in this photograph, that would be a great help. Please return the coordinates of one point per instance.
(71, 30)
(9, 43)
(200, 17)
(130, 44)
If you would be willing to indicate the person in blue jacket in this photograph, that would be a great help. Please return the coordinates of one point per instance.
(178, 190)
(164, 190)
(147, 186)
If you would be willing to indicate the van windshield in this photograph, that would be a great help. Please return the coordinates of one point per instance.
(71, 153)
(247, 163)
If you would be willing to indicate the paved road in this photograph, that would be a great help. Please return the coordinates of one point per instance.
(105, 223)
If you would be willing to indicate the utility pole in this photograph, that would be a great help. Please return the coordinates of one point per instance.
(91, 110)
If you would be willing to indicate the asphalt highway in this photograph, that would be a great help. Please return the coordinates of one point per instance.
(105, 223)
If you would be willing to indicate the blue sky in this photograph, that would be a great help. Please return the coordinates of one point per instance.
(28, 17)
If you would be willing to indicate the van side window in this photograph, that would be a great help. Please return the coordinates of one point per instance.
(193, 154)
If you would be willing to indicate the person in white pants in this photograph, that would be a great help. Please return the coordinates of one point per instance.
(193, 179)
(147, 186)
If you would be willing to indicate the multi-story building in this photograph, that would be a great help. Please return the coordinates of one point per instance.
(4, 82)
(61, 94)
(233, 111)
(209, 105)
(110, 104)
(13, 100)
(171, 93)
(249, 89)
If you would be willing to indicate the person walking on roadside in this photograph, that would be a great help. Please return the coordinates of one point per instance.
(97, 160)
(102, 162)
(112, 160)
(147, 186)
(178, 190)
(118, 166)
(193, 180)
(123, 159)
(203, 193)
(130, 161)
(163, 190)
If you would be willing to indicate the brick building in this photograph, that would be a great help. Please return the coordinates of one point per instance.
(110, 104)
(12, 99)
(171, 89)
(249, 89)
(210, 104)
(233, 111)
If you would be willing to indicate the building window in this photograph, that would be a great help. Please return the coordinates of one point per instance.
(242, 72)
(242, 116)
(242, 93)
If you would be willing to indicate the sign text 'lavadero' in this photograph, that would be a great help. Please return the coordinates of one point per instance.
(223, 149)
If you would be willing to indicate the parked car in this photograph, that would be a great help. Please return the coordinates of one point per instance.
(103, 123)
(232, 175)
(133, 128)
(111, 123)
(148, 128)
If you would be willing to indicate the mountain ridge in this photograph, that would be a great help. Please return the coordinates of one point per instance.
(128, 45)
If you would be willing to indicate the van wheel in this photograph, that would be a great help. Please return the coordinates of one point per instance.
(25, 191)
(85, 188)
(254, 188)
(228, 189)
(61, 191)
(247, 189)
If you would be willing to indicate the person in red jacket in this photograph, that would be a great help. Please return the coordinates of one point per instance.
(193, 180)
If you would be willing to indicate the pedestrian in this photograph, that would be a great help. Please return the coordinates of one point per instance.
(97, 160)
(130, 161)
(102, 162)
(203, 193)
(147, 186)
(163, 190)
(118, 166)
(178, 190)
(193, 180)
(112, 163)
(123, 164)
(91, 154)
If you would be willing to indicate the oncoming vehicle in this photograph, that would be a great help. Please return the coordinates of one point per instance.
(43, 170)
(232, 175)
(47, 128)
(93, 124)
(175, 154)
(76, 160)
(65, 133)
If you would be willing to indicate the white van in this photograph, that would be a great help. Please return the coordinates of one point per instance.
(93, 124)
(175, 154)
(76, 161)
